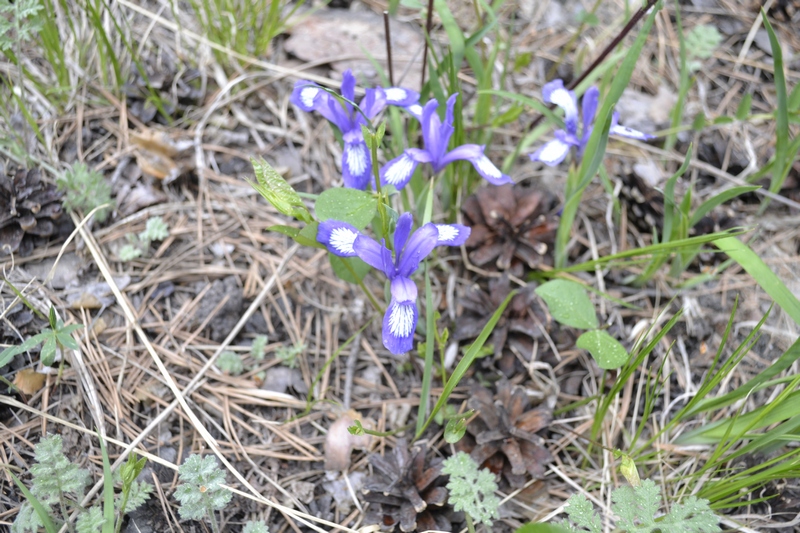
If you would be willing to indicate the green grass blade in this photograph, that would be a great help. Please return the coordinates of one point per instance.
(762, 274)
(781, 169)
(684, 82)
(717, 200)
(44, 516)
(430, 341)
(108, 489)
(466, 361)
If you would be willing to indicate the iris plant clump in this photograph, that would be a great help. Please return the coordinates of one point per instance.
(399, 259)
(555, 151)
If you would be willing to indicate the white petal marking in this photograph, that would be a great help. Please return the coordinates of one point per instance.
(342, 240)
(553, 151)
(395, 94)
(307, 95)
(415, 110)
(357, 159)
(401, 320)
(563, 99)
(398, 172)
(447, 233)
(487, 167)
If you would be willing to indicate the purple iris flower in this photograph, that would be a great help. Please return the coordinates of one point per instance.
(554, 152)
(436, 136)
(401, 316)
(356, 164)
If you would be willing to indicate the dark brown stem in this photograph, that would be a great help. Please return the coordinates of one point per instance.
(607, 50)
(428, 24)
(388, 46)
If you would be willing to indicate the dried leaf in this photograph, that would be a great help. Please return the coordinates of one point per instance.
(28, 381)
(339, 443)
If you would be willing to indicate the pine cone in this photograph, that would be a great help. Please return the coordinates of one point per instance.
(405, 492)
(28, 206)
(505, 433)
(512, 226)
(519, 326)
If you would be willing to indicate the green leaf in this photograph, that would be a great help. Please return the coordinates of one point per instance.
(277, 191)
(108, 489)
(48, 353)
(44, 516)
(456, 428)
(349, 269)
(346, 205)
(568, 303)
(702, 40)
(719, 199)
(605, 349)
(308, 236)
(781, 169)
(761, 273)
(744, 106)
(699, 121)
(542, 528)
(7, 354)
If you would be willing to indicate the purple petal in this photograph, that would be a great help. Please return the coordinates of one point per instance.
(555, 93)
(418, 247)
(452, 234)
(338, 237)
(306, 94)
(400, 96)
(474, 154)
(373, 102)
(398, 171)
(332, 110)
(374, 254)
(356, 165)
(349, 85)
(552, 153)
(403, 290)
(399, 324)
(589, 107)
(430, 125)
(622, 131)
(401, 231)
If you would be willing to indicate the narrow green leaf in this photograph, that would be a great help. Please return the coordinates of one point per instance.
(466, 362)
(569, 303)
(780, 171)
(108, 489)
(277, 191)
(707, 206)
(346, 205)
(430, 340)
(455, 429)
(761, 273)
(605, 349)
(308, 236)
(48, 353)
(44, 516)
(744, 106)
(542, 528)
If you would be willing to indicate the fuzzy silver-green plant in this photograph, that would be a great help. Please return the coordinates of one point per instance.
(288, 354)
(201, 492)
(638, 512)
(471, 488)
(155, 230)
(259, 347)
(85, 189)
(231, 363)
(91, 521)
(255, 527)
(19, 21)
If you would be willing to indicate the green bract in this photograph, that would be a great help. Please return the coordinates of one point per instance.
(278, 192)
(568, 303)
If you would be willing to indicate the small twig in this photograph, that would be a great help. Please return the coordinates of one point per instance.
(428, 24)
(388, 32)
(607, 50)
(350, 370)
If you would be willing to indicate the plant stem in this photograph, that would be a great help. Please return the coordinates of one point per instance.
(428, 24)
(607, 50)
(470, 525)
(214, 525)
(388, 32)
(381, 205)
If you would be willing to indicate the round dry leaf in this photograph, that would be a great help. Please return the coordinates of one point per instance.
(339, 443)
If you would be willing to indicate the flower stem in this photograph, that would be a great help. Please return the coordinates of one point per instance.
(382, 201)
(470, 525)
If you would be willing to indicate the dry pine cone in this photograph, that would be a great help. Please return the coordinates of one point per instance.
(407, 493)
(28, 206)
(512, 226)
(505, 433)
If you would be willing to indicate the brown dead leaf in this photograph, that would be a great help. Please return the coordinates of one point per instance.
(339, 443)
(28, 381)
(159, 155)
(334, 34)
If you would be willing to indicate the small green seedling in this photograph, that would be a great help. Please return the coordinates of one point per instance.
(84, 190)
(201, 492)
(230, 363)
(56, 337)
(288, 354)
(255, 527)
(259, 347)
(471, 489)
(155, 230)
